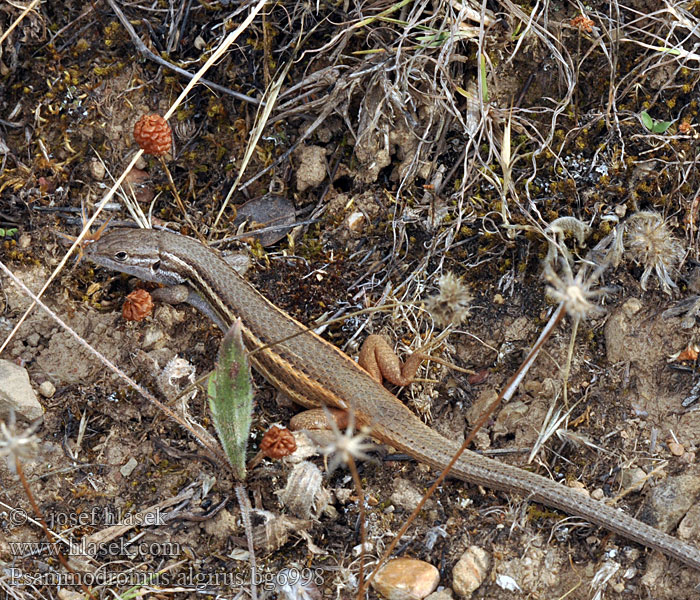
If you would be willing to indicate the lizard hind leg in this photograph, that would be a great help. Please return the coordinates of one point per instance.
(377, 357)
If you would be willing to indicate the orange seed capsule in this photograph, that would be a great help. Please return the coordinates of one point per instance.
(153, 134)
(137, 306)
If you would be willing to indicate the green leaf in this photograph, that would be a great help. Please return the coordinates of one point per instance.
(647, 121)
(661, 126)
(482, 74)
(231, 398)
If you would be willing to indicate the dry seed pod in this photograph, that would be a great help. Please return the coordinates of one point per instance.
(304, 495)
(278, 442)
(153, 134)
(137, 306)
(274, 533)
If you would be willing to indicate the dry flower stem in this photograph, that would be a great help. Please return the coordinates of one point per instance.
(44, 526)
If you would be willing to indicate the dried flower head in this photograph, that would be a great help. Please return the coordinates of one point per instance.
(278, 442)
(582, 23)
(578, 292)
(451, 305)
(345, 446)
(556, 232)
(651, 244)
(153, 134)
(137, 306)
(15, 445)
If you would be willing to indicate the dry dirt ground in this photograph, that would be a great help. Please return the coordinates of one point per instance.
(401, 174)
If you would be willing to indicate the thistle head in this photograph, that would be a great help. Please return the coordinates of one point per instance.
(651, 244)
(451, 305)
(578, 293)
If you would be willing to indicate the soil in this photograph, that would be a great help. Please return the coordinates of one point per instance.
(401, 182)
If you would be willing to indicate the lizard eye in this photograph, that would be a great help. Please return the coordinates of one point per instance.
(120, 256)
(155, 266)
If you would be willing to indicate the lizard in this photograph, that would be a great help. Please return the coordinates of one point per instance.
(315, 373)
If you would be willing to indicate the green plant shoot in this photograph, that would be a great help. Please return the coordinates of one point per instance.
(231, 398)
(482, 75)
(652, 124)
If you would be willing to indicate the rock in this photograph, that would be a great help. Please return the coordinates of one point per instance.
(312, 167)
(676, 449)
(97, 169)
(633, 479)
(519, 330)
(406, 579)
(406, 495)
(222, 526)
(445, 594)
(25, 240)
(47, 389)
(470, 571)
(17, 393)
(70, 595)
(671, 499)
(355, 222)
(129, 467)
(689, 527)
(598, 494)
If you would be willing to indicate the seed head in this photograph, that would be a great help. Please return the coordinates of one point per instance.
(345, 445)
(153, 134)
(15, 445)
(451, 305)
(651, 244)
(578, 293)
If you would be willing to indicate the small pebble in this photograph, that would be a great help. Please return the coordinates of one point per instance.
(688, 457)
(97, 170)
(676, 448)
(633, 479)
(355, 222)
(360, 548)
(25, 240)
(70, 595)
(406, 579)
(470, 571)
(128, 468)
(579, 487)
(444, 594)
(47, 389)
(598, 494)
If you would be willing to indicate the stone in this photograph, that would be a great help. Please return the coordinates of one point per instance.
(47, 389)
(671, 499)
(443, 594)
(470, 571)
(406, 579)
(128, 468)
(16, 393)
